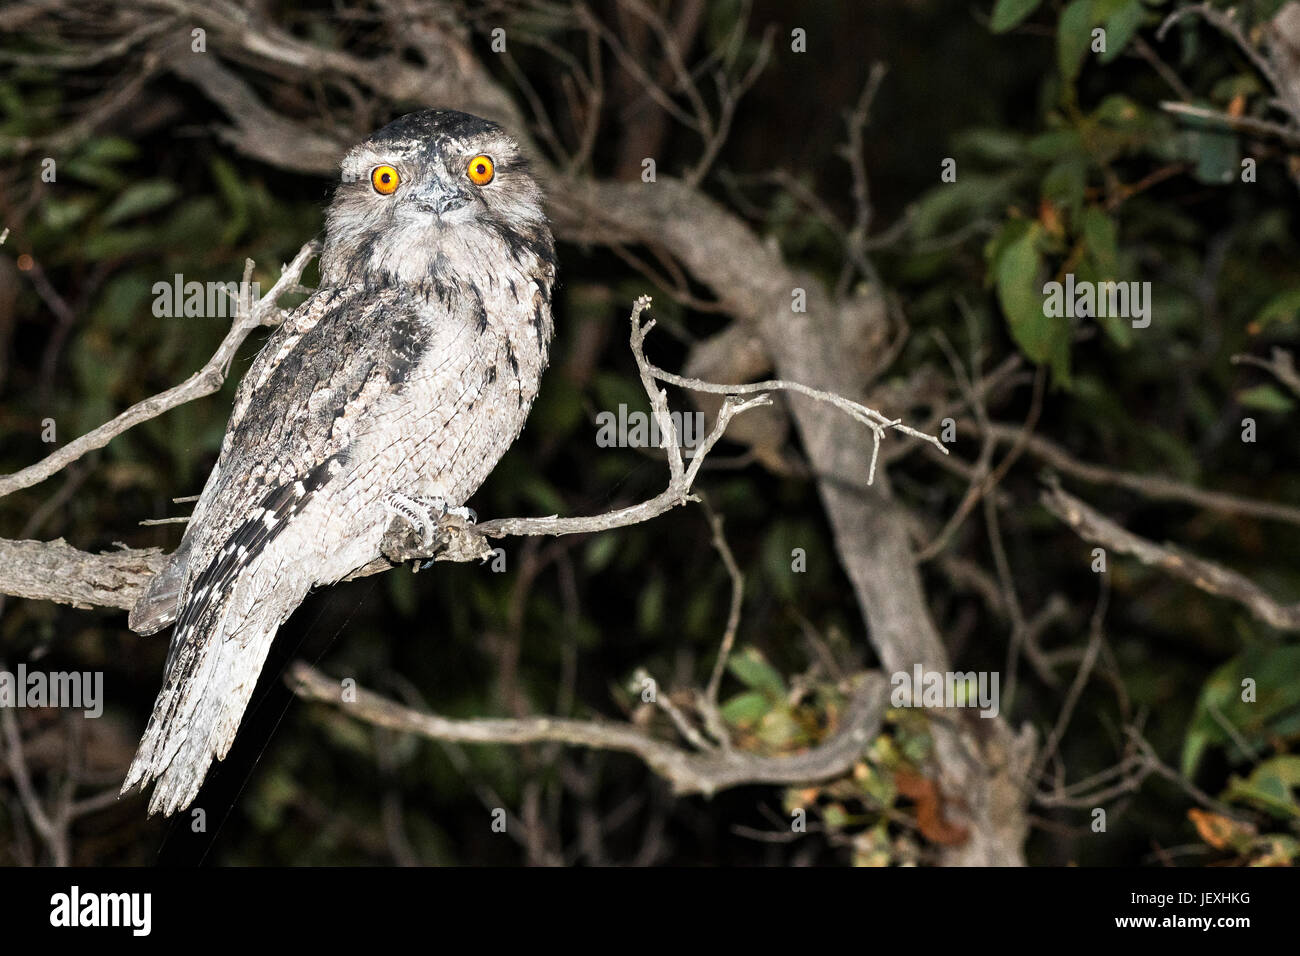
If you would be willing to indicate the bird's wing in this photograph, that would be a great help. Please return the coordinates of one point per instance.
(310, 391)
(304, 401)
(157, 607)
(287, 397)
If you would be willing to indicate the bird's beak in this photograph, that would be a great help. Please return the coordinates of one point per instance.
(440, 199)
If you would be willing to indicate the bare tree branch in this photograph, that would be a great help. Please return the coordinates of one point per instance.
(56, 571)
(688, 771)
(1212, 578)
(1154, 487)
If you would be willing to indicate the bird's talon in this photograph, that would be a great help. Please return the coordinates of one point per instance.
(414, 513)
(424, 515)
(468, 515)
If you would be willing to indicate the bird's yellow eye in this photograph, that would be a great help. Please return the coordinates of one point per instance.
(384, 179)
(480, 170)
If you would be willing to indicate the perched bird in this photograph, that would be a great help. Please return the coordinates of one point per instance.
(392, 391)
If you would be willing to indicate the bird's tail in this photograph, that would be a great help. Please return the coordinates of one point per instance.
(216, 655)
(227, 621)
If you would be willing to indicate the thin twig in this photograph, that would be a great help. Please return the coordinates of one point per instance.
(1281, 365)
(1094, 527)
(1154, 487)
(203, 382)
(733, 615)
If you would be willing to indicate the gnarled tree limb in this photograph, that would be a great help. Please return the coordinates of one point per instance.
(705, 772)
(56, 571)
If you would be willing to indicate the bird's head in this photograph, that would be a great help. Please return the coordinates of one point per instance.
(433, 196)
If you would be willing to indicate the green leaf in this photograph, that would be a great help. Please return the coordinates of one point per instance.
(752, 669)
(125, 300)
(1120, 28)
(1103, 10)
(1073, 34)
(1101, 238)
(779, 730)
(1010, 13)
(745, 710)
(119, 243)
(97, 174)
(1039, 337)
(61, 213)
(650, 605)
(1282, 308)
(235, 192)
(1042, 338)
(1056, 144)
(990, 144)
(542, 495)
(951, 203)
(1239, 84)
(1010, 233)
(1265, 397)
(1064, 184)
(1217, 155)
(1270, 786)
(1273, 714)
(613, 389)
(601, 550)
(1117, 328)
(108, 149)
(401, 590)
(1118, 110)
(141, 198)
(191, 226)
(880, 787)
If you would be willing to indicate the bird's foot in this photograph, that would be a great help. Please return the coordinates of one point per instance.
(425, 514)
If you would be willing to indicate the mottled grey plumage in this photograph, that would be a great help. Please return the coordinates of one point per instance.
(401, 381)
